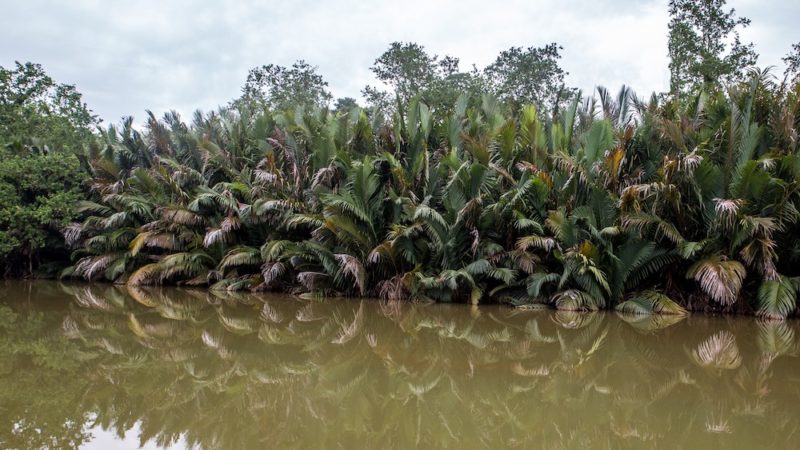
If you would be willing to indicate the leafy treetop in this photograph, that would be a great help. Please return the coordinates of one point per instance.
(704, 45)
(33, 105)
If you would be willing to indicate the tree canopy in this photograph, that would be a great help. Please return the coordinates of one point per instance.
(517, 76)
(527, 76)
(34, 106)
(44, 128)
(278, 87)
(704, 45)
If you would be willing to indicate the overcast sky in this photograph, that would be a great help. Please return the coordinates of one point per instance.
(128, 56)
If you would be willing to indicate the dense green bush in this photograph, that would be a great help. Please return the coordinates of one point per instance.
(44, 127)
(38, 191)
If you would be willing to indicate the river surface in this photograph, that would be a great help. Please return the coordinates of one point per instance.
(102, 367)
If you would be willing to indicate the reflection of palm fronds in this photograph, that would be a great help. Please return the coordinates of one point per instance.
(776, 338)
(89, 298)
(574, 319)
(502, 376)
(532, 329)
(350, 331)
(650, 323)
(718, 352)
(306, 314)
(540, 371)
(270, 314)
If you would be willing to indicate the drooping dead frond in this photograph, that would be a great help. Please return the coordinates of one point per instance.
(525, 261)
(72, 234)
(541, 242)
(265, 177)
(393, 289)
(719, 277)
(181, 216)
(312, 280)
(476, 240)
(727, 210)
(350, 265)
(90, 266)
(153, 239)
(214, 236)
(272, 271)
(759, 226)
(324, 176)
(230, 223)
(147, 274)
(690, 161)
(760, 254)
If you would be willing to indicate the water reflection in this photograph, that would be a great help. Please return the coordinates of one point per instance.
(244, 371)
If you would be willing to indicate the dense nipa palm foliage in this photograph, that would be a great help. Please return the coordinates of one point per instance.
(655, 205)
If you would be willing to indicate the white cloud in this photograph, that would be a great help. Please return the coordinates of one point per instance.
(130, 56)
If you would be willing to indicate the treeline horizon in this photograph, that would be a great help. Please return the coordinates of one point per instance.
(500, 185)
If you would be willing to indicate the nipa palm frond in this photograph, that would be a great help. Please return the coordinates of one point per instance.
(719, 277)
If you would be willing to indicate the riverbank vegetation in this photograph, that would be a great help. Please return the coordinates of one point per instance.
(494, 185)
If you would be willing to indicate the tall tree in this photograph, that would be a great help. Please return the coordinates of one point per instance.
(38, 191)
(345, 104)
(410, 70)
(704, 45)
(407, 68)
(44, 127)
(527, 76)
(279, 87)
(33, 105)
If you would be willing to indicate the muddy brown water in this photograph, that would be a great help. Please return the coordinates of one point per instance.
(99, 366)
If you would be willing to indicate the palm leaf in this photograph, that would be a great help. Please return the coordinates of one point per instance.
(719, 277)
(776, 299)
(353, 267)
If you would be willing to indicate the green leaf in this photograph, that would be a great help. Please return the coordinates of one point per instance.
(776, 299)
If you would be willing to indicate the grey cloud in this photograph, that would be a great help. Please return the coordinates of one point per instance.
(130, 56)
